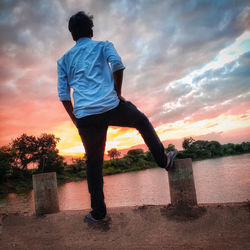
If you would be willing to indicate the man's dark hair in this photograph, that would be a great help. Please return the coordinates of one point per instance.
(80, 25)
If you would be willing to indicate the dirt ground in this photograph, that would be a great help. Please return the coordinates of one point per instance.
(214, 226)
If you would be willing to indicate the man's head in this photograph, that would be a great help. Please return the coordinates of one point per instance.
(80, 25)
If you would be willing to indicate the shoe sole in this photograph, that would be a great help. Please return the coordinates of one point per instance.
(172, 156)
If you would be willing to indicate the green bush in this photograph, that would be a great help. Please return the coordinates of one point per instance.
(4, 170)
(6, 161)
(149, 157)
(74, 168)
(51, 163)
(135, 152)
(82, 174)
(111, 170)
(17, 173)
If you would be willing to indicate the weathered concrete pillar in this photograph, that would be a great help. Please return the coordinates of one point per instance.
(181, 183)
(45, 193)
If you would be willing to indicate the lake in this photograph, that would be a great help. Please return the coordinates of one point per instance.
(220, 180)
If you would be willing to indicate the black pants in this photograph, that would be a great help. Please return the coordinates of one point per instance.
(93, 130)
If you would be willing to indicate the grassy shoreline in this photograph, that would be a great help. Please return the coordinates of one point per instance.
(20, 186)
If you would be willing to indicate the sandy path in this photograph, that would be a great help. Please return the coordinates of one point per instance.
(148, 227)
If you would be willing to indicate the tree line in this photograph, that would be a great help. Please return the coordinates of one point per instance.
(200, 149)
(41, 152)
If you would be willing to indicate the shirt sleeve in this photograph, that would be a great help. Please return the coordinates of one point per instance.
(112, 57)
(63, 87)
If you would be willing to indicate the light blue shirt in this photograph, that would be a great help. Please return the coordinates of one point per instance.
(87, 70)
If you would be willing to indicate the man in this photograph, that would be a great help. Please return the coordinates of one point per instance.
(94, 70)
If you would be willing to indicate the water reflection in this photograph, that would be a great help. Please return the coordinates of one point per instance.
(224, 179)
(74, 195)
(17, 203)
(137, 188)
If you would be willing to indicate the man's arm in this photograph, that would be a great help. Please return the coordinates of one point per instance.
(116, 65)
(69, 108)
(64, 90)
(118, 77)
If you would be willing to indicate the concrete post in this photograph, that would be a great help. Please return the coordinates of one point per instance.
(181, 183)
(45, 193)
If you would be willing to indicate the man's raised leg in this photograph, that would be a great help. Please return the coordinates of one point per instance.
(127, 115)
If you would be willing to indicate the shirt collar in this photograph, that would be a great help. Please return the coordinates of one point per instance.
(82, 40)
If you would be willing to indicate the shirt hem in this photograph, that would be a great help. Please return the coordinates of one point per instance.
(97, 113)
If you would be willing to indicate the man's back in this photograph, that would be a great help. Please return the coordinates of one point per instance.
(85, 68)
(95, 72)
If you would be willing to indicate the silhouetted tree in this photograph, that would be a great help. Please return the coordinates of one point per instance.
(215, 148)
(52, 162)
(187, 142)
(25, 148)
(113, 153)
(238, 149)
(246, 146)
(46, 153)
(41, 150)
(228, 149)
(135, 152)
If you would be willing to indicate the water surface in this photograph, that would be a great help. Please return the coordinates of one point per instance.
(220, 180)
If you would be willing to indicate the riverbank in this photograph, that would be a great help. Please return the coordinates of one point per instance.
(211, 226)
(111, 167)
(24, 185)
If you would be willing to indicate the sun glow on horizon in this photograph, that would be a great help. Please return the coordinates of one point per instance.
(121, 138)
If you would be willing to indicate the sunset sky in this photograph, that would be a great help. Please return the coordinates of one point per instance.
(187, 67)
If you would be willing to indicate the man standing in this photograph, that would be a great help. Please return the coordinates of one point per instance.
(94, 70)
